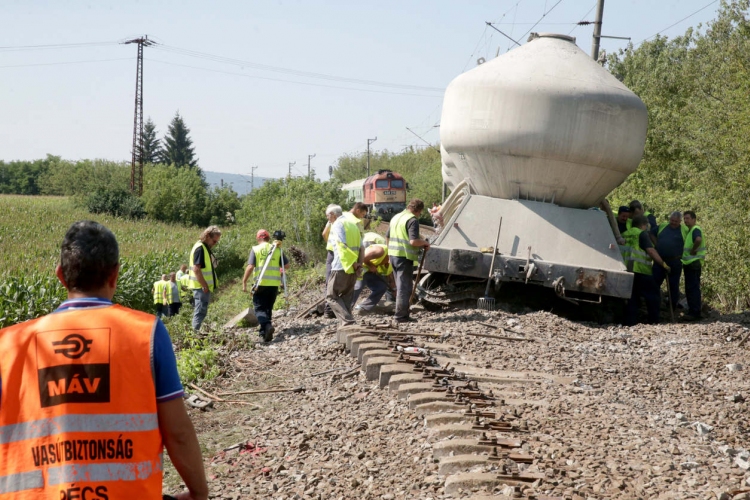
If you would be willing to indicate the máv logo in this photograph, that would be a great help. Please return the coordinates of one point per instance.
(73, 346)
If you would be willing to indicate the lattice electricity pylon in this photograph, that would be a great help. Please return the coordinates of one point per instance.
(136, 166)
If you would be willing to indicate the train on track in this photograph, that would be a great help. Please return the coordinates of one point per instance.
(384, 193)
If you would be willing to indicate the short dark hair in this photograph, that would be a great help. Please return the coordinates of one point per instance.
(690, 213)
(88, 256)
(359, 206)
(635, 204)
(415, 205)
(640, 220)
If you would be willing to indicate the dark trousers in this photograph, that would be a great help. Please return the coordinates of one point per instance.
(693, 288)
(339, 292)
(329, 262)
(377, 286)
(643, 286)
(403, 273)
(174, 308)
(161, 310)
(263, 300)
(660, 274)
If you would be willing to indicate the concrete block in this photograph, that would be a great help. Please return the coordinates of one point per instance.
(457, 430)
(468, 481)
(405, 390)
(394, 369)
(469, 446)
(369, 346)
(448, 417)
(460, 463)
(373, 365)
(357, 342)
(377, 353)
(437, 406)
(403, 378)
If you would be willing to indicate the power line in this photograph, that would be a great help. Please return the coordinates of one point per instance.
(678, 22)
(584, 17)
(290, 81)
(277, 69)
(66, 62)
(540, 19)
(56, 46)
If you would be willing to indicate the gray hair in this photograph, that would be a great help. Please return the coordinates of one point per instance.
(334, 209)
(676, 213)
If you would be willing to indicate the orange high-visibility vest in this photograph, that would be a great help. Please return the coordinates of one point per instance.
(78, 412)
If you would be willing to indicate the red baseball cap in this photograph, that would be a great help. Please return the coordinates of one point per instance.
(262, 233)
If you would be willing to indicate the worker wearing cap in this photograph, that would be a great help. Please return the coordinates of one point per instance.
(692, 262)
(403, 249)
(265, 293)
(643, 255)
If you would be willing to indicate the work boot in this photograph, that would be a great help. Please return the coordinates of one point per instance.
(268, 332)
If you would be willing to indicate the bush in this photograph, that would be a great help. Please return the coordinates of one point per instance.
(117, 202)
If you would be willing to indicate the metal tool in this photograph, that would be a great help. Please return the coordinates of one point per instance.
(488, 303)
(669, 297)
(263, 271)
(419, 275)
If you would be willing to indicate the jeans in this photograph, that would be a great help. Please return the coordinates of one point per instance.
(403, 273)
(339, 292)
(643, 286)
(201, 307)
(377, 287)
(263, 300)
(660, 274)
(693, 288)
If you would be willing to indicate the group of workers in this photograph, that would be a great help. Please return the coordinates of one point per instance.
(170, 291)
(358, 259)
(656, 253)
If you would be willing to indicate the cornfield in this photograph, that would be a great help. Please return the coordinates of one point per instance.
(32, 228)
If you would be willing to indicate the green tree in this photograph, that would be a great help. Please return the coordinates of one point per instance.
(151, 151)
(222, 204)
(172, 194)
(81, 178)
(178, 146)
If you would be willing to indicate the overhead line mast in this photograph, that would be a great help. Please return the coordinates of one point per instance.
(136, 173)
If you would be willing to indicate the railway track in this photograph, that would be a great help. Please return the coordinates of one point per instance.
(479, 436)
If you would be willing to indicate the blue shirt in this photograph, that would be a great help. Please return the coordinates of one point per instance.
(669, 243)
(166, 378)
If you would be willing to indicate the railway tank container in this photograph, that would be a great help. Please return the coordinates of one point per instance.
(537, 136)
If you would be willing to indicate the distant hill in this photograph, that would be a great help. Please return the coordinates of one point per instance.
(240, 183)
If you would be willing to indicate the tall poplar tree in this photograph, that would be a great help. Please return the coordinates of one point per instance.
(178, 147)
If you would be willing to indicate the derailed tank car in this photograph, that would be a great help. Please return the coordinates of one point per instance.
(537, 136)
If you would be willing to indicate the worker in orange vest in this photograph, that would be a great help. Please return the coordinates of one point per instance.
(90, 394)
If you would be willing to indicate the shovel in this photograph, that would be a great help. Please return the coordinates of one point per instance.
(419, 275)
(488, 303)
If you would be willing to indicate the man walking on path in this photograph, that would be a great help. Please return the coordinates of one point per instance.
(203, 279)
(670, 243)
(265, 294)
(346, 264)
(160, 296)
(403, 250)
(173, 295)
(692, 261)
(90, 373)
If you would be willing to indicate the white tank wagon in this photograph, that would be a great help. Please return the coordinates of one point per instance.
(537, 136)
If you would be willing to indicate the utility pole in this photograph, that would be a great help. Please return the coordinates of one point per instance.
(136, 174)
(291, 164)
(597, 30)
(252, 177)
(369, 141)
(309, 157)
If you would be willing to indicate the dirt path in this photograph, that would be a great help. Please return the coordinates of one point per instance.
(613, 412)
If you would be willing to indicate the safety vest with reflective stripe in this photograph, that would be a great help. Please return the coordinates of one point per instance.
(353, 218)
(349, 250)
(170, 292)
(330, 241)
(642, 261)
(272, 276)
(208, 270)
(371, 238)
(383, 269)
(700, 254)
(159, 290)
(78, 414)
(398, 243)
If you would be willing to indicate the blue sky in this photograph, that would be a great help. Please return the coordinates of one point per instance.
(248, 96)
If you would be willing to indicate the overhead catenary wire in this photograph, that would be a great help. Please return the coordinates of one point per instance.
(9, 48)
(66, 62)
(289, 71)
(582, 18)
(678, 22)
(541, 18)
(258, 77)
